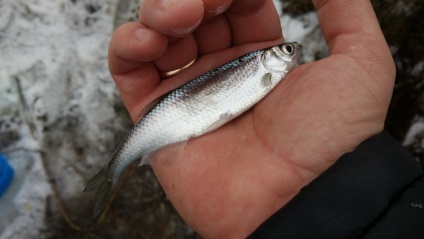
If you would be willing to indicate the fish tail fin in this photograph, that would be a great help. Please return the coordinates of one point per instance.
(102, 185)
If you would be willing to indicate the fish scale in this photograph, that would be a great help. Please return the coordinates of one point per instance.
(196, 108)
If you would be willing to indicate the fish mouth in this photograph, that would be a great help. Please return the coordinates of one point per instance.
(300, 49)
(297, 46)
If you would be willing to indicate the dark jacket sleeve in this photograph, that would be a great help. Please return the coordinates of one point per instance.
(376, 191)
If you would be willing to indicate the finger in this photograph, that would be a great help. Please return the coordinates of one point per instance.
(346, 19)
(213, 35)
(136, 87)
(133, 44)
(253, 21)
(245, 22)
(178, 54)
(345, 24)
(351, 29)
(172, 17)
(215, 7)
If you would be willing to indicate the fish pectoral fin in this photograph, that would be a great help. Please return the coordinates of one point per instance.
(267, 80)
(167, 154)
(223, 119)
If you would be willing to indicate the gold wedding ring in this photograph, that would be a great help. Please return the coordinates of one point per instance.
(169, 74)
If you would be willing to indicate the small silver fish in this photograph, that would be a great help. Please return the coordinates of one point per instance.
(196, 108)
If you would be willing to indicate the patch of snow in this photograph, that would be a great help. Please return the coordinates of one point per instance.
(25, 200)
(416, 129)
(418, 68)
(55, 95)
(305, 29)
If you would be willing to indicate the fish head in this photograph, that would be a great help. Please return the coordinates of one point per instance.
(282, 58)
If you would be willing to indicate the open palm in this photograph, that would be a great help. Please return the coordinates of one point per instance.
(227, 182)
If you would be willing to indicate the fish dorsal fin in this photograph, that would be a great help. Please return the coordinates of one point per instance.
(167, 154)
(151, 105)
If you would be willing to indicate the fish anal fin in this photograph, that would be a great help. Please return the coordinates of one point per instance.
(167, 154)
(223, 119)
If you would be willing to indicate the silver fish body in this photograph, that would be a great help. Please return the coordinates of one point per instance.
(198, 107)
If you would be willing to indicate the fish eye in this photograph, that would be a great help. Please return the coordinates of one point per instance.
(287, 49)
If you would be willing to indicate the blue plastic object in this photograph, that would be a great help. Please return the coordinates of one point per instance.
(6, 174)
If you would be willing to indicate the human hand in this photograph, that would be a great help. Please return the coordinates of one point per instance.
(226, 183)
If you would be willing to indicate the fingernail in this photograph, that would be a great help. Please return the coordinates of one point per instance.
(140, 34)
(218, 10)
(165, 4)
(183, 31)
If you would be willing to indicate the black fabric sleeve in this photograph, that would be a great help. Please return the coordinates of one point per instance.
(376, 191)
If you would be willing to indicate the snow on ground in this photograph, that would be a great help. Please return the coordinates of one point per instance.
(303, 29)
(416, 128)
(53, 78)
